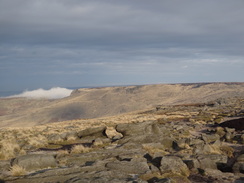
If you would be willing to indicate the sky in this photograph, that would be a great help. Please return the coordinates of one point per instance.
(77, 43)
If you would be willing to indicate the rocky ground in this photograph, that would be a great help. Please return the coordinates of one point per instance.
(197, 142)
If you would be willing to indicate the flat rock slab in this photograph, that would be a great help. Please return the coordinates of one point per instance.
(129, 167)
(97, 132)
(35, 161)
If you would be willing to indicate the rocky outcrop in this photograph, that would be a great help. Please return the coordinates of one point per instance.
(187, 146)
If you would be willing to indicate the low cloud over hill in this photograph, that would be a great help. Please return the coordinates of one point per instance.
(108, 101)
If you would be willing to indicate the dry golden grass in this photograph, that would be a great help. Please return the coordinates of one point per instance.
(38, 141)
(9, 149)
(17, 170)
(62, 152)
(98, 142)
(149, 176)
(71, 139)
(77, 149)
(227, 150)
(152, 148)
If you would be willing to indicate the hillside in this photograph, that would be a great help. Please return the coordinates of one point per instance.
(109, 101)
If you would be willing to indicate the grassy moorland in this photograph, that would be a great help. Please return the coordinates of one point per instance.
(145, 143)
(188, 133)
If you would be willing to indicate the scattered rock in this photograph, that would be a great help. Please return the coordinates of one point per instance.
(179, 149)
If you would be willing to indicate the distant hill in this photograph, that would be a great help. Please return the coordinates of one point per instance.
(108, 101)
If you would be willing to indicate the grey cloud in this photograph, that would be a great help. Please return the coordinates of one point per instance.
(112, 21)
(97, 39)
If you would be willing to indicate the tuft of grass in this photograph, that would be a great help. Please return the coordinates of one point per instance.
(38, 141)
(62, 152)
(218, 120)
(17, 170)
(227, 150)
(71, 139)
(8, 149)
(77, 149)
(154, 148)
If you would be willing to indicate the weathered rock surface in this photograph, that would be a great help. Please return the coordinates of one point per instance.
(35, 161)
(174, 165)
(131, 167)
(97, 132)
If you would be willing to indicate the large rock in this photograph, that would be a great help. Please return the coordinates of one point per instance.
(211, 161)
(174, 165)
(167, 142)
(35, 161)
(97, 132)
(131, 167)
(128, 129)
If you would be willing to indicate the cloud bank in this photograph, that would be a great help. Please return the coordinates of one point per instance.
(53, 93)
(80, 43)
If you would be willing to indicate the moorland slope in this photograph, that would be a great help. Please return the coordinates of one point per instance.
(109, 101)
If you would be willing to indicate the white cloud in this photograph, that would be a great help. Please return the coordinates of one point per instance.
(53, 93)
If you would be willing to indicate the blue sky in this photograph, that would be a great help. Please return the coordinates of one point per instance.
(74, 43)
